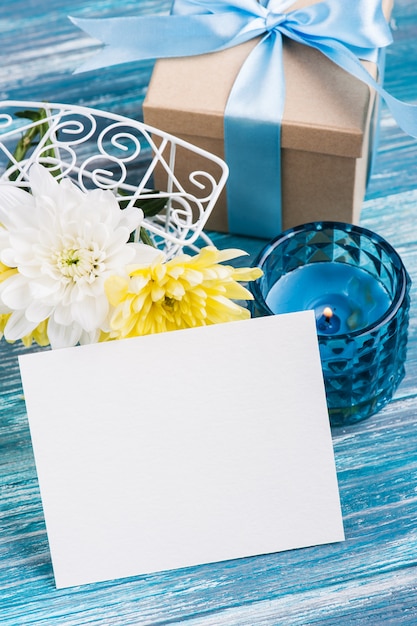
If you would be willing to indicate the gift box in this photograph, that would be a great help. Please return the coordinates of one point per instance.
(327, 134)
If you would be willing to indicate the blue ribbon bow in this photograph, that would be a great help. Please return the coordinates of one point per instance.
(255, 106)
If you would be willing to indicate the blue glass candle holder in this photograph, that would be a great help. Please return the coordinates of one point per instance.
(358, 287)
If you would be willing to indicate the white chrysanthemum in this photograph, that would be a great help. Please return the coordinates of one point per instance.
(64, 243)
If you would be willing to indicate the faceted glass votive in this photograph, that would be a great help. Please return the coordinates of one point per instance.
(359, 289)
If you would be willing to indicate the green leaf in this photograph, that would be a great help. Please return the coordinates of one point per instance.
(149, 206)
(30, 115)
(152, 206)
(145, 238)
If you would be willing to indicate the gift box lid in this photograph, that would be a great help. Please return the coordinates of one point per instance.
(326, 109)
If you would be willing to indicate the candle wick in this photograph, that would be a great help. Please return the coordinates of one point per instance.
(328, 314)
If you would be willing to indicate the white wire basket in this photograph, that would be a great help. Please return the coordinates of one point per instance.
(104, 150)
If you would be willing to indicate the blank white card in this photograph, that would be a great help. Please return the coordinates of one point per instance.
(182, 448)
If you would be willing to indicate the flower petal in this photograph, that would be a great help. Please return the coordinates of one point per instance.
(42, 182)
(229, 253)
(18, 326)
(12, 201)
(38, 312)
(87, 338)
(61, 336)
(146, 255)
(15, 292)
(116, 289)
(91, 312)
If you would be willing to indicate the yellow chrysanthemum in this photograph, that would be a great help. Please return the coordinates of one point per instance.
(3, 322)
(184, 292)
(39, 334)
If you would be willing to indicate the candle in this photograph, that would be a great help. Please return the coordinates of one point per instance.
(353, 297)
(358, 288)
(328, 323)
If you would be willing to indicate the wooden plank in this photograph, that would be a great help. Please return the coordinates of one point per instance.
(369, 579)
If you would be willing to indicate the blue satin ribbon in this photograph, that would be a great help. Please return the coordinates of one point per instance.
(255, 106)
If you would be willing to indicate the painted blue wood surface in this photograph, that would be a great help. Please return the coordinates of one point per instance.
(369, 579)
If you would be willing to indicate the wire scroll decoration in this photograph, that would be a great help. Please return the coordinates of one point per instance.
(104, 150)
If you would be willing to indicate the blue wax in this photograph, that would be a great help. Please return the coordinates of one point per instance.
(356, 298)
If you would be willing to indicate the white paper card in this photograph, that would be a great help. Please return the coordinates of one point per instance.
(182, 448)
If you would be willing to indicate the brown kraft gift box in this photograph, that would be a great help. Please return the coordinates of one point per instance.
(326, 135)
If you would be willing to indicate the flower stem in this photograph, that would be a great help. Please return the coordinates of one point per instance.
(30, 138)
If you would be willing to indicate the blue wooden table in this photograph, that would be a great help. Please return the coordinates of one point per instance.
(371, 578)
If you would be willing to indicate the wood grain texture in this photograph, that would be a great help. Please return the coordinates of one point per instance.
(371, 578)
